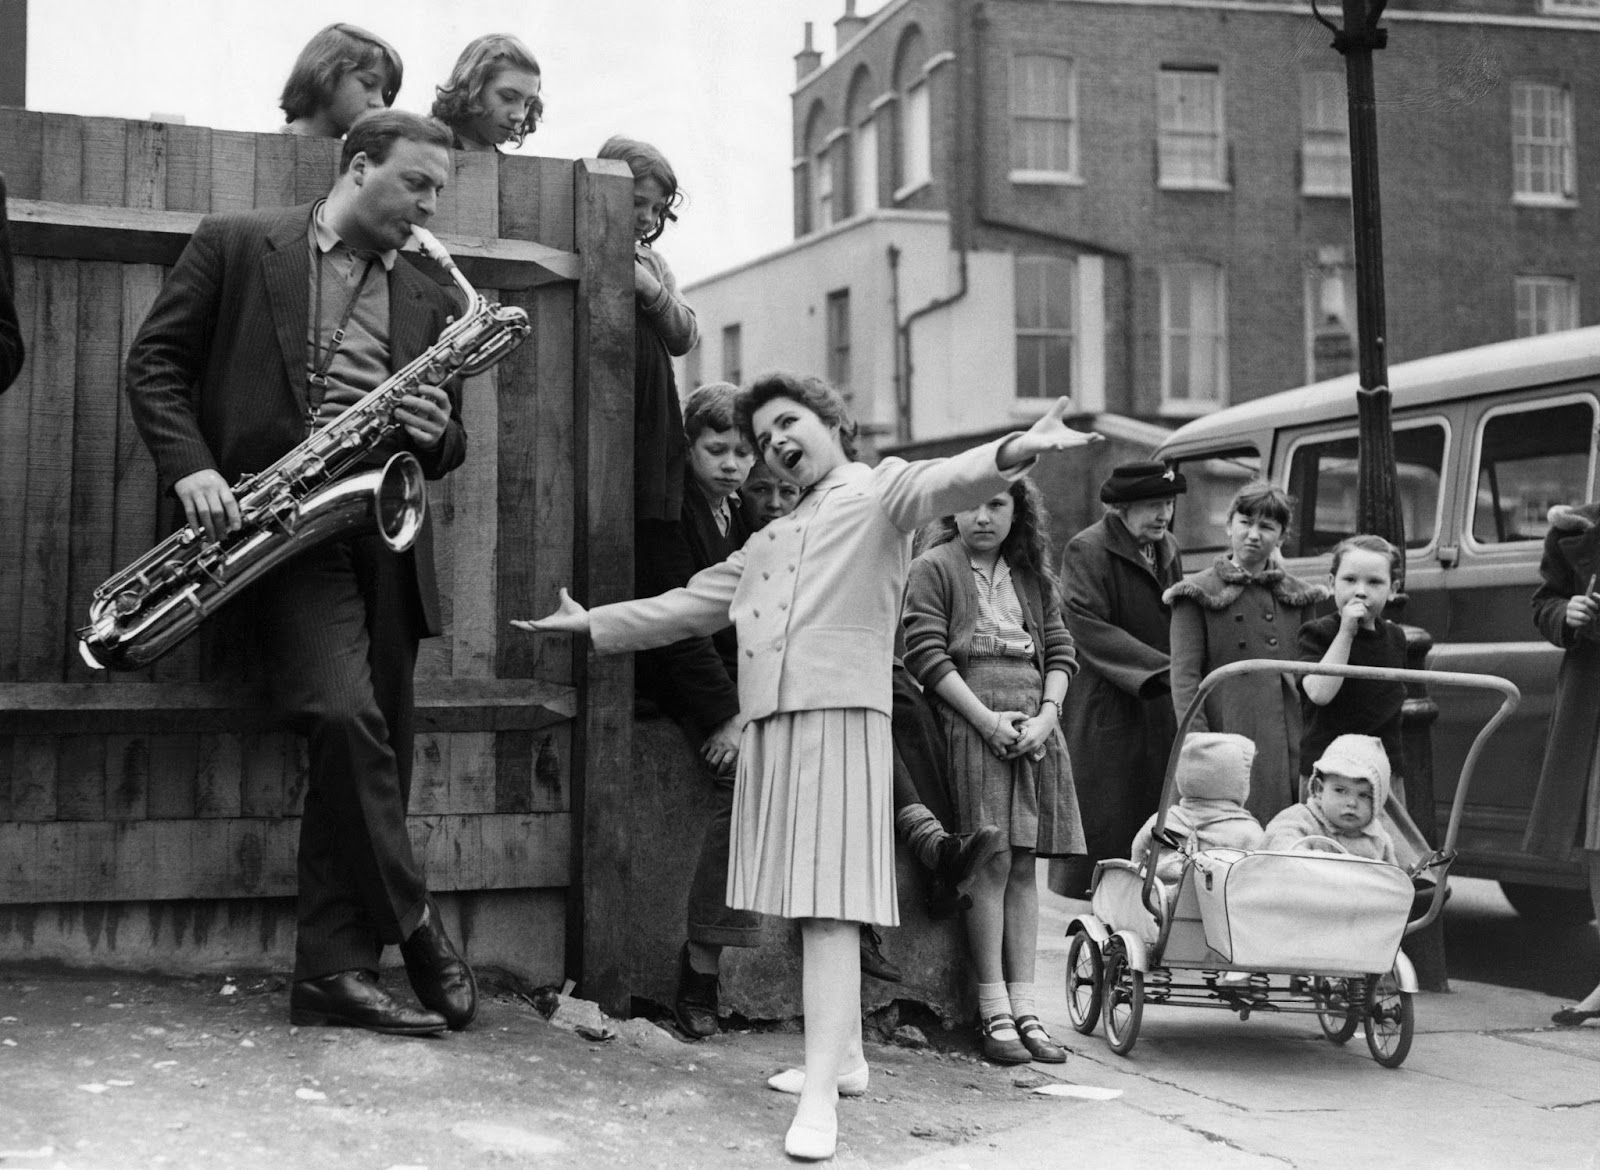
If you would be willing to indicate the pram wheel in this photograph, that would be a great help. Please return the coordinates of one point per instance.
(1085, 974)
(1390, 1020)
(1124, 999)
(1336, 1009)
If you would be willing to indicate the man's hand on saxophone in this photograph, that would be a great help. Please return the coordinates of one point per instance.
(208, 503)
(425, 415)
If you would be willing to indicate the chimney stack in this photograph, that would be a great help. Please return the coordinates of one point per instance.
(847, 26)
(808, 60)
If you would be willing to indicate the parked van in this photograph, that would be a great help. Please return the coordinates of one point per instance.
(1486, 440)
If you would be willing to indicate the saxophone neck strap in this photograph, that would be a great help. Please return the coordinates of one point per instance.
(317, 380)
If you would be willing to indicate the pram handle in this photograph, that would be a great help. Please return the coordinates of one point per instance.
(1510, 698)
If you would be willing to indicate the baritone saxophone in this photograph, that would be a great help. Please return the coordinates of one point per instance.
(148, 608)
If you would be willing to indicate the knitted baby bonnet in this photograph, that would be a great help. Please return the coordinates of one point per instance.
(1215, 765)
(1361, 756)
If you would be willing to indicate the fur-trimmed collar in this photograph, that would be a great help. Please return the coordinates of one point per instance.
(1222, 584)
(1568, 518)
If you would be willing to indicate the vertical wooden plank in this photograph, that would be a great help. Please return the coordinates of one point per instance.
(61, 167)
(216, 789)
(557, 214)
(274, 170)
(105, 161)
(33, 779)
(15, 407)
(21, 151)
(603, 570)
(233, 171)
(80, 778)
(267, 762)
(145, 177)
(188, 168)
(430, 776)
(519, 213)
(316, 165)
(46, 533)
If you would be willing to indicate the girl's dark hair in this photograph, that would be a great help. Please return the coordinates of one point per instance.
(1262, 499)
(1366, 542)
(646, 162)
(327, 57)
(460, 99)
(809, 391)
(1026, 546)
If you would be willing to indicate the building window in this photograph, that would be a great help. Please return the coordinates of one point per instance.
(1569, 7)
(1325, 129)
(823, 190)
(1330, 299)
(1044, 118)
(732, 358)
(917, 160)
(839, 340)
(1045, 336)
(1542, 143)
(1194, 337)
(1546, 304)
(1192, 149)
(866, 167)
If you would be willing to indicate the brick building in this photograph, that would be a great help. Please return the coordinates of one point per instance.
(1146, 203)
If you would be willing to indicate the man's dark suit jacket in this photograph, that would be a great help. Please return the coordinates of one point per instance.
(696, 678)
(217, 374)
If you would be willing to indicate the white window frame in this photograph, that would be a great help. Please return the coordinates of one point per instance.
(822, 189)
(1169, 80)
(864, 167)
(1023, 262)
(916, 139)
(1024, 111)
(1324, 135)
(1190, 336)
(1526, 405)
(1555, 183)
(1562, 309)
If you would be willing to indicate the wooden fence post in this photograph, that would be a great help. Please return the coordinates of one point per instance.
(599, 933)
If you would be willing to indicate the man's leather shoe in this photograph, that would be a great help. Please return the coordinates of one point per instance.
(440, 976)
(353, 999)
(873, 961)
(961, 857)
(696, 1004)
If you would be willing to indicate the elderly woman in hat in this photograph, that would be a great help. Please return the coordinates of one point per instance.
(1118, 720)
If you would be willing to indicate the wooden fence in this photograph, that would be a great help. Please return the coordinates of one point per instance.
(171, 787)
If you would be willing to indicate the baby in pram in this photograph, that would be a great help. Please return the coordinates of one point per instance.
(1213, 780)
(1348, 785)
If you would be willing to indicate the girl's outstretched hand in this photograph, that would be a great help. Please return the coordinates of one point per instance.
(569, 618)
(1050, 433)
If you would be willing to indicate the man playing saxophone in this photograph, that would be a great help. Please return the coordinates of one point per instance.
(273, 322)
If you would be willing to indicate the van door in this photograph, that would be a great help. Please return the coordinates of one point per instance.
(1524, 452)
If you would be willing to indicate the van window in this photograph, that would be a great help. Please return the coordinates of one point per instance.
(1200, 519)
(1528, 459)
(1322, 479)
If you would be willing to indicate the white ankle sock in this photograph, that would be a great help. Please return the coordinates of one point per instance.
(993, 1000)
(1021, 996)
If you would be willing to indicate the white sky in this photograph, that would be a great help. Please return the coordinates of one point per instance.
(707, 81)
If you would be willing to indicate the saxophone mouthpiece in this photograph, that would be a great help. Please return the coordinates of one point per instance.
(430, 246)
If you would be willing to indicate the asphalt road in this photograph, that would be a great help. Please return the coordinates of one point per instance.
(1486, 941)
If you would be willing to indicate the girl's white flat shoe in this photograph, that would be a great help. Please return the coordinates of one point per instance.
(812, 1143)
(792, 1080)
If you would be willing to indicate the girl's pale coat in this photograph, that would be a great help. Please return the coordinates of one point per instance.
(815, 596)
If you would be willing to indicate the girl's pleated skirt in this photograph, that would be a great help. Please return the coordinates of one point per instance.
(813, 817)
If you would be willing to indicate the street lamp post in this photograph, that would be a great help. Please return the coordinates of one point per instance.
(1377, 478)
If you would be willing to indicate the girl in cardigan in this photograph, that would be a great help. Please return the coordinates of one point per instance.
(1246, 606)
(984, 634)
(814, 598)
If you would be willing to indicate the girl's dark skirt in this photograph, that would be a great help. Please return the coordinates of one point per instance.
(1033, 801)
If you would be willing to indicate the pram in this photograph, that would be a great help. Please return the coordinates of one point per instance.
(1294, 931)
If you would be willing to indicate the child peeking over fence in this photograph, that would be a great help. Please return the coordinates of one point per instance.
(1348, 785)
(1213, 779)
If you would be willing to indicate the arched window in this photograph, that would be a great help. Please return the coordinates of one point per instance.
(914, 123)
(863, 144)
(816, 186)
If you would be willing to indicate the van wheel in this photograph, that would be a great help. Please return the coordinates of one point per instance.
(1549, 904)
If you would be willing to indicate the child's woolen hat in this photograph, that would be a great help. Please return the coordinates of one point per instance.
(1361, 756)
(1215, 765)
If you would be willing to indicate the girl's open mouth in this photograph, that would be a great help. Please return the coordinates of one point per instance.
(791, 458)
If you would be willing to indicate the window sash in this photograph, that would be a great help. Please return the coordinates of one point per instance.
(1045, 323)
(918, 126)
(1545, 304)
(866, 167)
(1541, 140)
(1194, 344)
(1044, 114)
(1190, 119)
(839, 339)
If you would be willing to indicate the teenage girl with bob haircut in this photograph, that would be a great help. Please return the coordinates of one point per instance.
(815, 598)
(493, 94)
(343, 72)
(984, 634)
